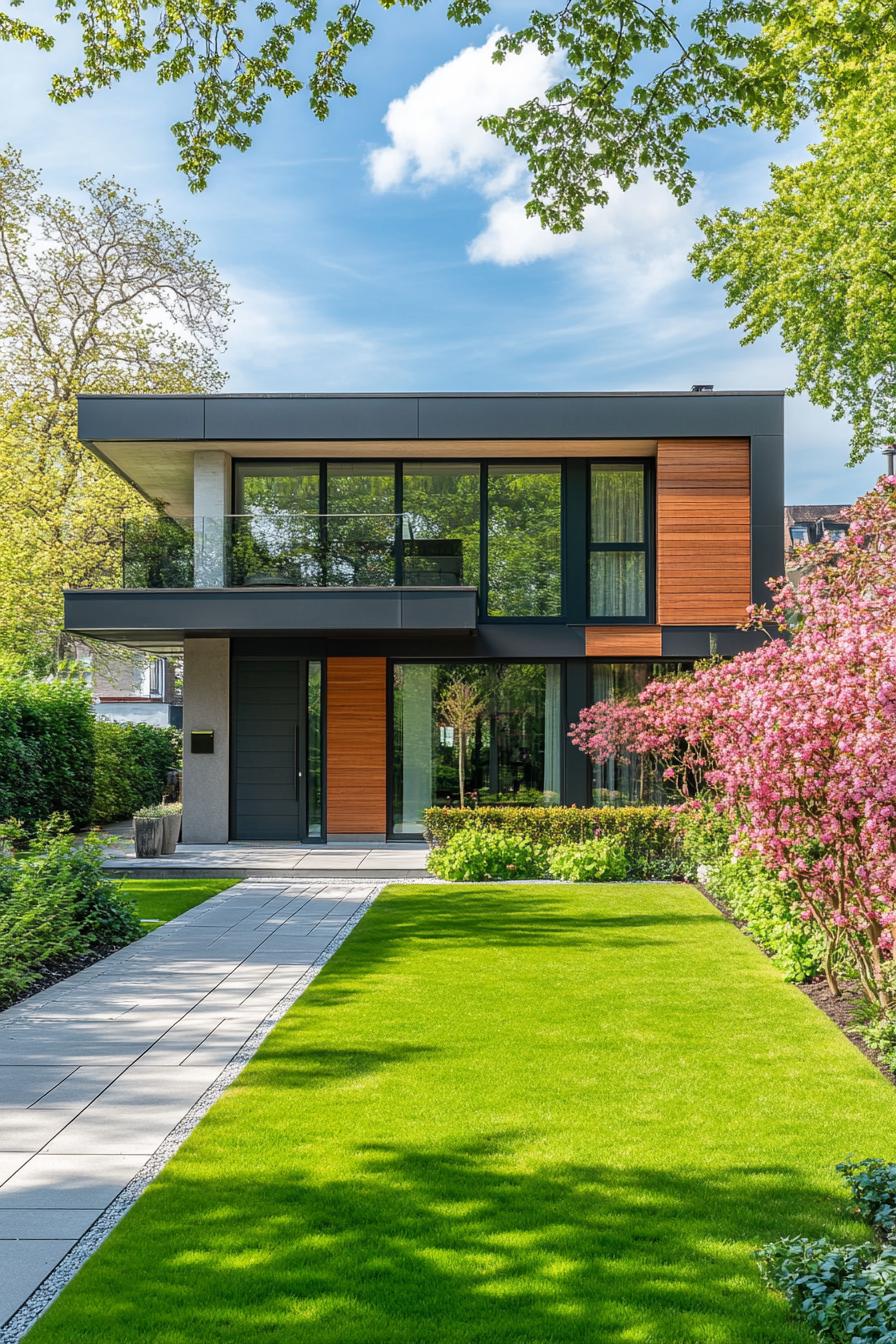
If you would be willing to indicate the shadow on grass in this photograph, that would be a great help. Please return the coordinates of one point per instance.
(448, 1245)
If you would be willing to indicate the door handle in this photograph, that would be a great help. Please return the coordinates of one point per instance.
(296, 747)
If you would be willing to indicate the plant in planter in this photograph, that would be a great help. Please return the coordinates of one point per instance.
(149, 831)
(172, 813)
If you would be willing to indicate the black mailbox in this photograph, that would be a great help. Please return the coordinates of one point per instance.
(202, 742)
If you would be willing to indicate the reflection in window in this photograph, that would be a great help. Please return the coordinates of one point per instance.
(618, 567)
(276, 533)
(524, 563)
(512, 749)
(622, 780)
(360, 524)
(314, 751)
(440, 501)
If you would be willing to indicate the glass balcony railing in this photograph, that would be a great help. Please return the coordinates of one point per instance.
(334, 550)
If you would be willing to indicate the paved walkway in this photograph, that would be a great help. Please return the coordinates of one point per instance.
(391, 861)
(103, 1075)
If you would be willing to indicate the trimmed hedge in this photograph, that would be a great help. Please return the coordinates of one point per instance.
(132, 760)
(647, 834)
(46, 749)
(56, 758)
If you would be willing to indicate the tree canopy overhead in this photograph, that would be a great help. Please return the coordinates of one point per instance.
(639, 78)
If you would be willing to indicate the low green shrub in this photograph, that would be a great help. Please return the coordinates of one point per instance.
(878, 1030)
(46, 748)
(56, 904)
(488, 856)
(591, 861)
(872, 1184)
(647, 834)
(847, 1294)
(132, 760)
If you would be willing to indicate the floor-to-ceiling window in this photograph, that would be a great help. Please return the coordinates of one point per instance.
(490, 732)
(524, 539)
(626, 779)
(360, 524)
(440, 507)
(275, 537)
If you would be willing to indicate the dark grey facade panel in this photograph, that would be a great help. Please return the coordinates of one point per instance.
(683, 641)
(311, 418)
(497, 416)
(596, 417)
(533, 640)
(767, 552)
(106, 419)
(240, 611)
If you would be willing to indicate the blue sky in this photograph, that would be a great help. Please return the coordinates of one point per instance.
(386, 249)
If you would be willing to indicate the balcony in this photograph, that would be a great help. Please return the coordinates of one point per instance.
(286, 550)
(273, 574)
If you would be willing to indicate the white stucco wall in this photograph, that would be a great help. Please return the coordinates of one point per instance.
(207, 706)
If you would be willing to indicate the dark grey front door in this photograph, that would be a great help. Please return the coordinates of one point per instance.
(269, 749)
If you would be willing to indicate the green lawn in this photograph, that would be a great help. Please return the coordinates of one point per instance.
(503, 1115)
(162, 898)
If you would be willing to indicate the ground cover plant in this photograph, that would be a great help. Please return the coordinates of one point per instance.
(158, 899)
(500, 1114)
(846, 1293)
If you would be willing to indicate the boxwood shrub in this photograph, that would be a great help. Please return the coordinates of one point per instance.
(647, 834)
(132, 760)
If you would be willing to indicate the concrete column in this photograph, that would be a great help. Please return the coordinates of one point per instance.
(211, 507)
(207, 706)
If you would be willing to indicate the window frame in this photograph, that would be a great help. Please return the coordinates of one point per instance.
(647, 547)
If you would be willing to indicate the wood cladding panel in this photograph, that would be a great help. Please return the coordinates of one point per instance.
(703, 531)
(623, 641)
(356, 746)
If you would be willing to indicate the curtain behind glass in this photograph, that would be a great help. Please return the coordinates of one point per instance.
(618, 585)
(416, 709)
(621, 781)
(617, 503)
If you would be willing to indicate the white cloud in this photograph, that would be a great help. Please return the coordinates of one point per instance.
(433, 130)
(637, 244)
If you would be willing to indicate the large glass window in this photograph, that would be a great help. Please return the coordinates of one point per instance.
(524, 539)
(623, 780)
(440, 502)
(360, 524)
(484, 732)
(618, 562)
(276, 533)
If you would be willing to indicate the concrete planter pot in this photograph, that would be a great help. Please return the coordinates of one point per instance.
(171, 831)
(149, 834)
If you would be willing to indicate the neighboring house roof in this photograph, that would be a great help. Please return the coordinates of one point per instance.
(816, 518)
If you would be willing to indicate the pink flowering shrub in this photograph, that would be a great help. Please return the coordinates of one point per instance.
(796, 742)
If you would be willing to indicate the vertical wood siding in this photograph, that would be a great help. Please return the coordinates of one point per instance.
(356, 746)
(703, 531)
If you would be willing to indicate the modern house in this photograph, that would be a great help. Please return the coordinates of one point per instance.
(330, 566)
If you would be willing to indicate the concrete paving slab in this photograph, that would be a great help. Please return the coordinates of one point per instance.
(67, 1181)
(45, 1224)
(24, 1084)
(25, 1266)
